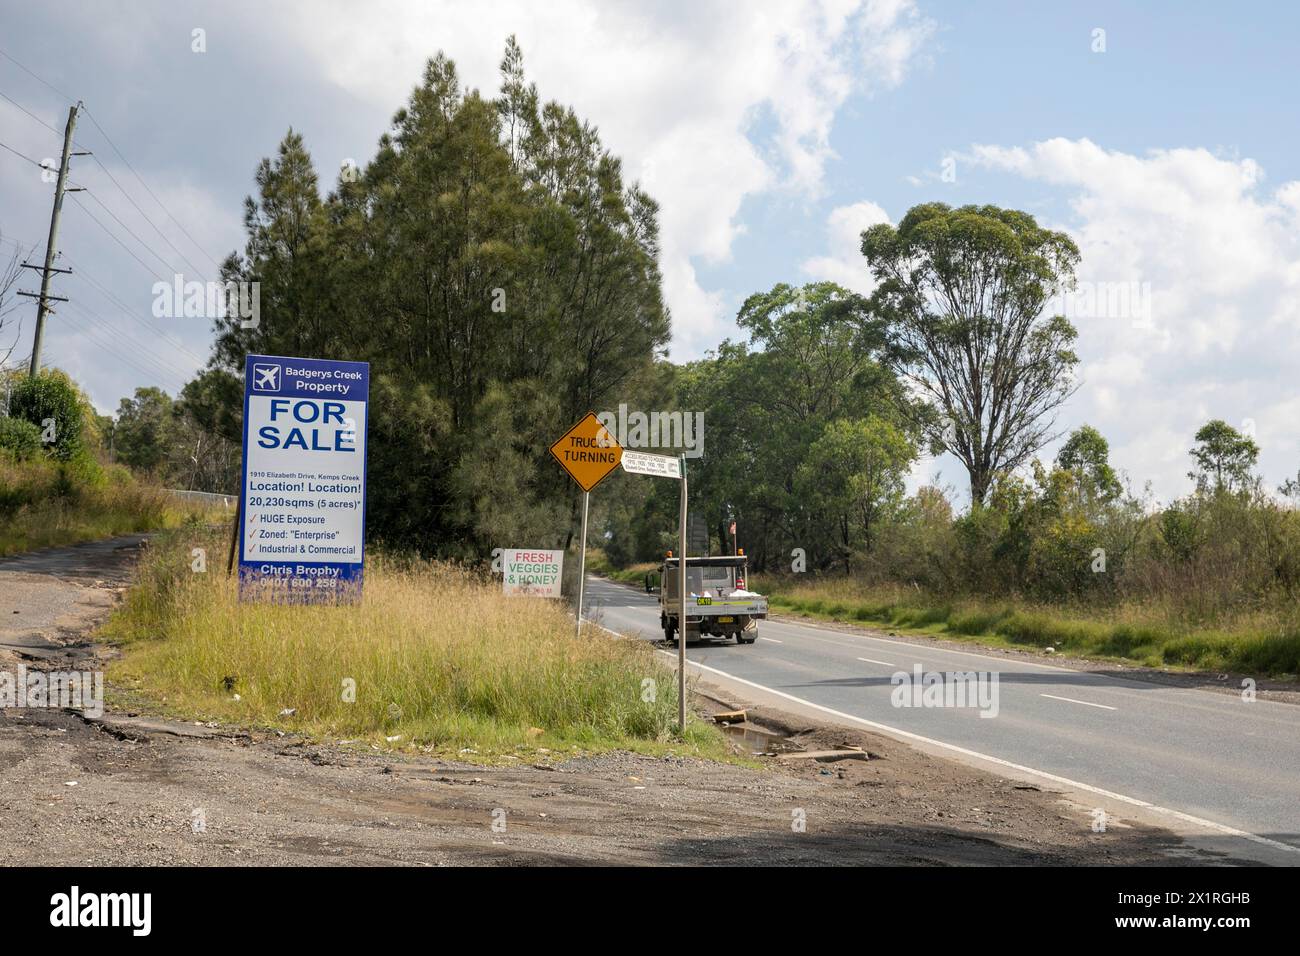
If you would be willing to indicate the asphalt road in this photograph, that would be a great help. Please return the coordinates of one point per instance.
(50, 597)
(1212, 756)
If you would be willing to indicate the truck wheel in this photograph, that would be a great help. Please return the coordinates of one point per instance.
(742, 639)
(668, 635)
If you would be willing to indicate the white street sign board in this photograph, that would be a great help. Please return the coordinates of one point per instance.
(662, 466)
(529, 572)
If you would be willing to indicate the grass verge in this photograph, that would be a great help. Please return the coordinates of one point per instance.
(46, 504)
(635, 574)
(1266, 644)
(434, 658)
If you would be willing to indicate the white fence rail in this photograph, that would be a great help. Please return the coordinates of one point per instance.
(226, 501)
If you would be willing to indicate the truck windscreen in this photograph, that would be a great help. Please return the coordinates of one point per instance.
(709, 579)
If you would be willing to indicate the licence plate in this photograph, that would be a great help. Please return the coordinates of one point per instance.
(726, 620)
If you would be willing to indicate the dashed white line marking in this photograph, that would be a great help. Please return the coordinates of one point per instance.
(908, 735)
(883, 663)
(1086, 703)
(771, 640)
(923, 648)
(1215, 701)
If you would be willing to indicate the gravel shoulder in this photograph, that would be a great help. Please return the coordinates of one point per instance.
(138, 790)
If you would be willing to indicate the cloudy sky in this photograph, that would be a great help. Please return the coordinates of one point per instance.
(772, 133)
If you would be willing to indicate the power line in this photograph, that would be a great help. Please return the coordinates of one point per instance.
(108, 139)
(117, 333)
(19, 242)
(141, 181)
(126, 310)
(81, 273)
(23, 156)
(159, 358)
(144, 362)
(107, 172)
(128, 249)
(35, 77)
(103, 327)
(155, 359)
(195, 269)
(129, 198)
(162, 374)
(172, 270)
(30, 113)
(159, 362)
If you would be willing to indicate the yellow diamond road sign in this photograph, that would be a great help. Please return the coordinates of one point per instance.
(588, 452)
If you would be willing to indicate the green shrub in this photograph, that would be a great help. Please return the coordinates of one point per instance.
(51, 398)
(1268, 654)
(19, 438)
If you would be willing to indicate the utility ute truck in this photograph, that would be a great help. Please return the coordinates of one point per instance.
(717, 602)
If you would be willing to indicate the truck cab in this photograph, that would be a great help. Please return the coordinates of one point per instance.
(718, 604)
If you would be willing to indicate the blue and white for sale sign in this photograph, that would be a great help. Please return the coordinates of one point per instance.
(303, 523)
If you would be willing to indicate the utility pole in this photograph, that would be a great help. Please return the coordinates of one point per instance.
(43, 306)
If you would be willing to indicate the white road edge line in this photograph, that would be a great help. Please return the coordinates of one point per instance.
(907, 734)
(1084, 702)
(883, 663)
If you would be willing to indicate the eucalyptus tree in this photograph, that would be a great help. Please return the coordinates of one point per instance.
(964, 293)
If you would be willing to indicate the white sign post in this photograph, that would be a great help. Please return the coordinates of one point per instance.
(530, 572)
(588, 452)
(662, 466)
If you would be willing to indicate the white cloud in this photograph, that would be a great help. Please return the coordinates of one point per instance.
(711, 104)
(1220, 253)
(708, 102)
(844, 262)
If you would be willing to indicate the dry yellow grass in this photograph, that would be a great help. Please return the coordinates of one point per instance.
(1263, 642)
(434, 655)
(45, 504)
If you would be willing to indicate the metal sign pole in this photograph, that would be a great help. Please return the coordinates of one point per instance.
(234, 534)
(582, 558)
(681, 615)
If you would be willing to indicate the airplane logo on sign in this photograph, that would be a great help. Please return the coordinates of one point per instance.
(266, 378)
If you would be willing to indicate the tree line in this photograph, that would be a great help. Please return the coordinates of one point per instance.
(500, 273)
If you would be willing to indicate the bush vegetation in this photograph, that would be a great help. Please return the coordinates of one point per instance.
(438, 659)
(54, 487)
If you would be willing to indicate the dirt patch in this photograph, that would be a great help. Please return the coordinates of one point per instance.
(102, 799)
(49, 600)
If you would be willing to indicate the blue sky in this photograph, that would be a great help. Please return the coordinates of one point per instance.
(770, 132)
